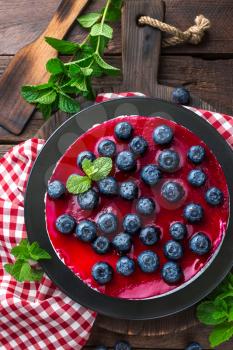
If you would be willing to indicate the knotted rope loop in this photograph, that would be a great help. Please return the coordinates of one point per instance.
(192, 35)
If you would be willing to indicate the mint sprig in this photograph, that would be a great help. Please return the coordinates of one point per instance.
(72, 79)
(217, 311)
(95, 171)
(24, 252)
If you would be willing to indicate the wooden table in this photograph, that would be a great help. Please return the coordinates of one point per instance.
(206, 70)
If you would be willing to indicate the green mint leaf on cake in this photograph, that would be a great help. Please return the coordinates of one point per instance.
(64, 47)
(88, 20)
(88, 168)
(102, 166)
(24, 252)
(77, 184)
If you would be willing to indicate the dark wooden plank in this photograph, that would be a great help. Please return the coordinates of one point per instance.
(176, 340)
(140, 46)
(209, 79)
(22, 26)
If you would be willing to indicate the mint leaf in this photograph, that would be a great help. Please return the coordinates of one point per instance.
(30, 93)
(102, 166)
(101, 41)
(68, 104)
(220, 334)
(102, 29)
(79, 83)
(99, 60)
(230, 313)
(87, 71)
(113, 14)
(65, 47)
(47, 97)
(37, 253)
(55, 66)
(88, 167)
(77, 184)
(22, 271)
(74, 70)
(117, 3)
(209, 314)
(46, 110)
(87, 21)
(21, 251)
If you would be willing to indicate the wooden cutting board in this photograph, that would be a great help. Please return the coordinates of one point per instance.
(140, 60)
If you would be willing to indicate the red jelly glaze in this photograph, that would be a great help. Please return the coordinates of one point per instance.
(80, 257)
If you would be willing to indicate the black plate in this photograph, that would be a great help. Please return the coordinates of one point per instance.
(175, 301)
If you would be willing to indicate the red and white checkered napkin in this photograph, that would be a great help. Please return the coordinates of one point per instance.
(36, 316)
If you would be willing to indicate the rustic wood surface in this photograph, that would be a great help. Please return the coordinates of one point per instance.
(205, 69)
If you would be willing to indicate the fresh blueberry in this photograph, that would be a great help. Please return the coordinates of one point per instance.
(122, 242)
(107, 148)
(150, 235)
(138, 145)
(102, 272)
(178, 231)
(107, 223)
(122, 345)
(125, 266)
(180, 95)
(56, 189)
(85, 155)
(171, 272)
(131, 223)
(214, 196)
(101, 245)
(172, 191)
(193, 212)
(125, 161)
(196, 154)
(108, 186)
(196, 177)
(145, 206)
(86, 231)
(88, 200)
(151, 174)
(163, 135)
(169, 160)
(123, 131)
(148, 261)
(173, 250)
(193, 346)
(200, 243)
(128, 190)
(65, 223)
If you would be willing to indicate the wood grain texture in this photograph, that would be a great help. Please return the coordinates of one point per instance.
(23, 23)
(176, 340)
(28, 68)
(212, 80)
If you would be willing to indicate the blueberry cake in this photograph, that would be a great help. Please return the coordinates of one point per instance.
(153, 222)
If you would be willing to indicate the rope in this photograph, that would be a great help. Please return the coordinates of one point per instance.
(192, 35)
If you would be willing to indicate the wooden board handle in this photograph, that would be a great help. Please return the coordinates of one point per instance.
(64, 17)
(141, 46)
